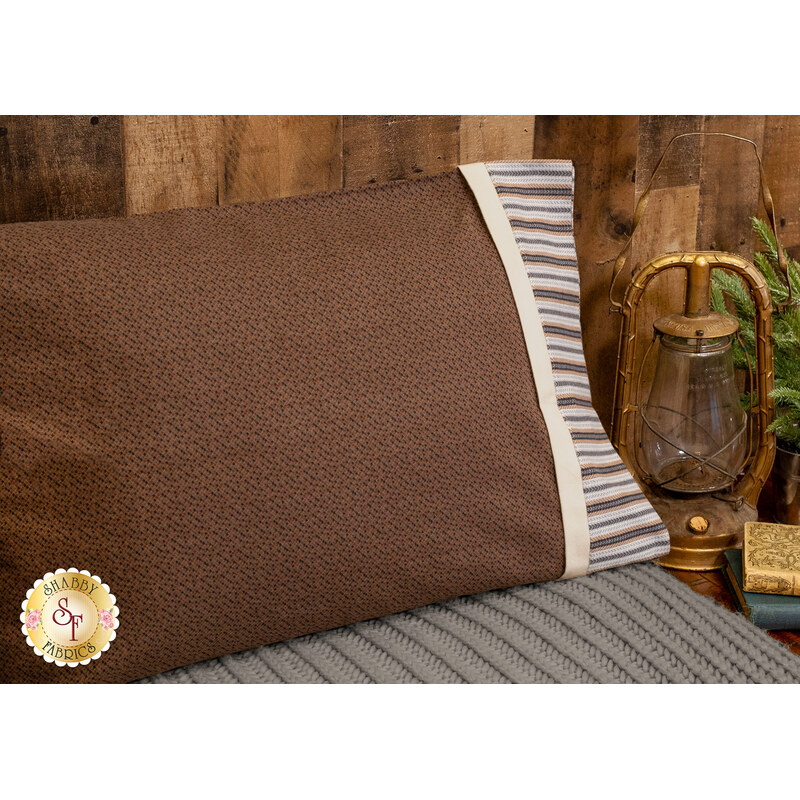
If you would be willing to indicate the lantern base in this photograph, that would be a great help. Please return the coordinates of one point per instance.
(700, 529)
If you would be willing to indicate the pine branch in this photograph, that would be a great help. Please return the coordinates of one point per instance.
(791, 320)
(735, 289)
(767, 238)
(786, 329)
(718, 299)
(777, 287)
(786, 427)
(786, 397)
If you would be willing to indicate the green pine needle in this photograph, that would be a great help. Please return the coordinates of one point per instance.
(727, 287)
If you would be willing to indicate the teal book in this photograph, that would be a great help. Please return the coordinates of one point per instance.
(773, 612)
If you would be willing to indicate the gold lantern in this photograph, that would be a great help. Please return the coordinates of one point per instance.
(701, 458)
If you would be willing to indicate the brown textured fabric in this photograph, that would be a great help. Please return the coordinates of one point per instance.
(264, 420)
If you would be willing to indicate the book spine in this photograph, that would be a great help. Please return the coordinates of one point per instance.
(736, 591)
(770, 582)
(774, 619)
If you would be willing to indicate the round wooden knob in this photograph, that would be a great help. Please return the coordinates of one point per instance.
(698, 524)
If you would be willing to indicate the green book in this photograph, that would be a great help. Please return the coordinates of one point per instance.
(773, 612)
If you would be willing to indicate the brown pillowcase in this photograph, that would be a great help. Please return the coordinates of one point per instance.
(259, 421)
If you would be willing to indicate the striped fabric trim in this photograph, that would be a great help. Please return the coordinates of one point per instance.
(537, 197)
(565, 460)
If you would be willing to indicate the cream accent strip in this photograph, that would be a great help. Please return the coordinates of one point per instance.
(568, 471)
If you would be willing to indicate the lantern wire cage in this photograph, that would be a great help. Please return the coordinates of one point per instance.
(693, 460)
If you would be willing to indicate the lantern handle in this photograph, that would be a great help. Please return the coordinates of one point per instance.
(766, 196)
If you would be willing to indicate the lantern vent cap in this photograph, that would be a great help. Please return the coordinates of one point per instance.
(707, 326)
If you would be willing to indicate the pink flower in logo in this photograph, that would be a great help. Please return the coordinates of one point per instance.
(106, 619)
(33, 619)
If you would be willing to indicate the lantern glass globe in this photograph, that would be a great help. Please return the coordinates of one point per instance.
(694, 429)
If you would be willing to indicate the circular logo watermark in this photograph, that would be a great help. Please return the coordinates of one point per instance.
(69, 617)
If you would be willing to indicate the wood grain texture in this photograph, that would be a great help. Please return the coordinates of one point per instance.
(782, 166)
(670, 226)
(682, 165)
(310, 154)
(60, 167)
(262, 157)
(488, 138)
(248, 167)
(170, 162)
(680, 169)
(389, 148)
(670, 221)
(603, 150)
(729, 186)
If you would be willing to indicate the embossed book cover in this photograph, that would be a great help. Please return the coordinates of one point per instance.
(771, 558)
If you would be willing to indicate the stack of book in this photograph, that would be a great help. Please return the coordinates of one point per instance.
(765, 575)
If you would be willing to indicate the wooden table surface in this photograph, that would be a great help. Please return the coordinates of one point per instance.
(713, 584)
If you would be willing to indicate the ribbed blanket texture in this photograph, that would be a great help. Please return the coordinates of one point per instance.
(634, 624)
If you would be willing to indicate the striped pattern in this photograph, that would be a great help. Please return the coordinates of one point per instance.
(636, 624)
(537, 197)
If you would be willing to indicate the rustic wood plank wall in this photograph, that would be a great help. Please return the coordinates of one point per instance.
(80, 166)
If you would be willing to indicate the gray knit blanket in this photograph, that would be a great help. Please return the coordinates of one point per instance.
(634, 624)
